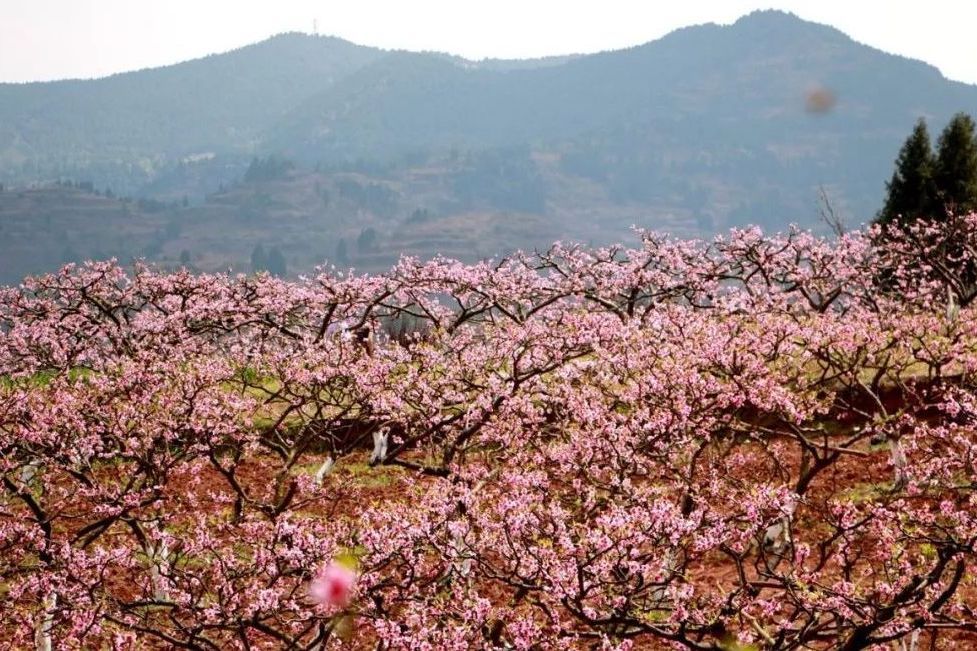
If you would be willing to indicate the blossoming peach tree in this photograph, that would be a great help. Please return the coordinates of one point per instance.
(755, 442)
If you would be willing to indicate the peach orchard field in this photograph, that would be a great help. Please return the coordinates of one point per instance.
(758, 442)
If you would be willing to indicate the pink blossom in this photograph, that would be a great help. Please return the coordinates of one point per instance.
(578, 438)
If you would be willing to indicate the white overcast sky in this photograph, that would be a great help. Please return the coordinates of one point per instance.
(53, 39)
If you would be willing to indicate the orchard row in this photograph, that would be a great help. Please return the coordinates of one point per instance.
(760, 440)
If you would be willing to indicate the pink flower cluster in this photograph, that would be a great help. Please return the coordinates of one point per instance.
(758, 440)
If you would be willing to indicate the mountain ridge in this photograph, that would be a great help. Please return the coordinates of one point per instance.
(708, 127)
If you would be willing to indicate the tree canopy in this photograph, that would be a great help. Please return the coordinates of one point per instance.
(683, 444)
(955, 172)
(927, 185)
(911, 191)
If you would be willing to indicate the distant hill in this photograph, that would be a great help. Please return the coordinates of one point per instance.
(309, 216)
(708, 127)
(126, 129)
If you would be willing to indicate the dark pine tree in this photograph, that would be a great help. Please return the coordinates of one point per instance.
(912, 191)
(259, 260)
(956, 165)
(276, 263)
(342, 254)
(368, 240)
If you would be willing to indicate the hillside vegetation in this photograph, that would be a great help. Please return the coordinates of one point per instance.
(709, 127)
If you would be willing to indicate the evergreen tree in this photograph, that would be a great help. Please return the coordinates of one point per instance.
(368, 240)
(259, 260)
(956, 165)
(276, 263)
(268, 169)
(912, 191)
(342, 254)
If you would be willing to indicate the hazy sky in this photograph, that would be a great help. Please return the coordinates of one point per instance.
(51, 39)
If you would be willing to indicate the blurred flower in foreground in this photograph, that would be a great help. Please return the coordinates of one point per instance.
(334, 585)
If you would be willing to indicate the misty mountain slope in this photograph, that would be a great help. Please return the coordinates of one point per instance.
(140, 120)
(423, 153)
(326, 100)
(409, 101)
(708, 100)
(755, 72)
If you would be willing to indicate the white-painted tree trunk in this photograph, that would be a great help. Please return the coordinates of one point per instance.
(912, 644)
(464, 567)
(28, 472)
(900, 477)
(380, 439)
(777, 538)
(45, 624)
(952, 307)
(324, 470)
(159, 554)
(658, 594)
